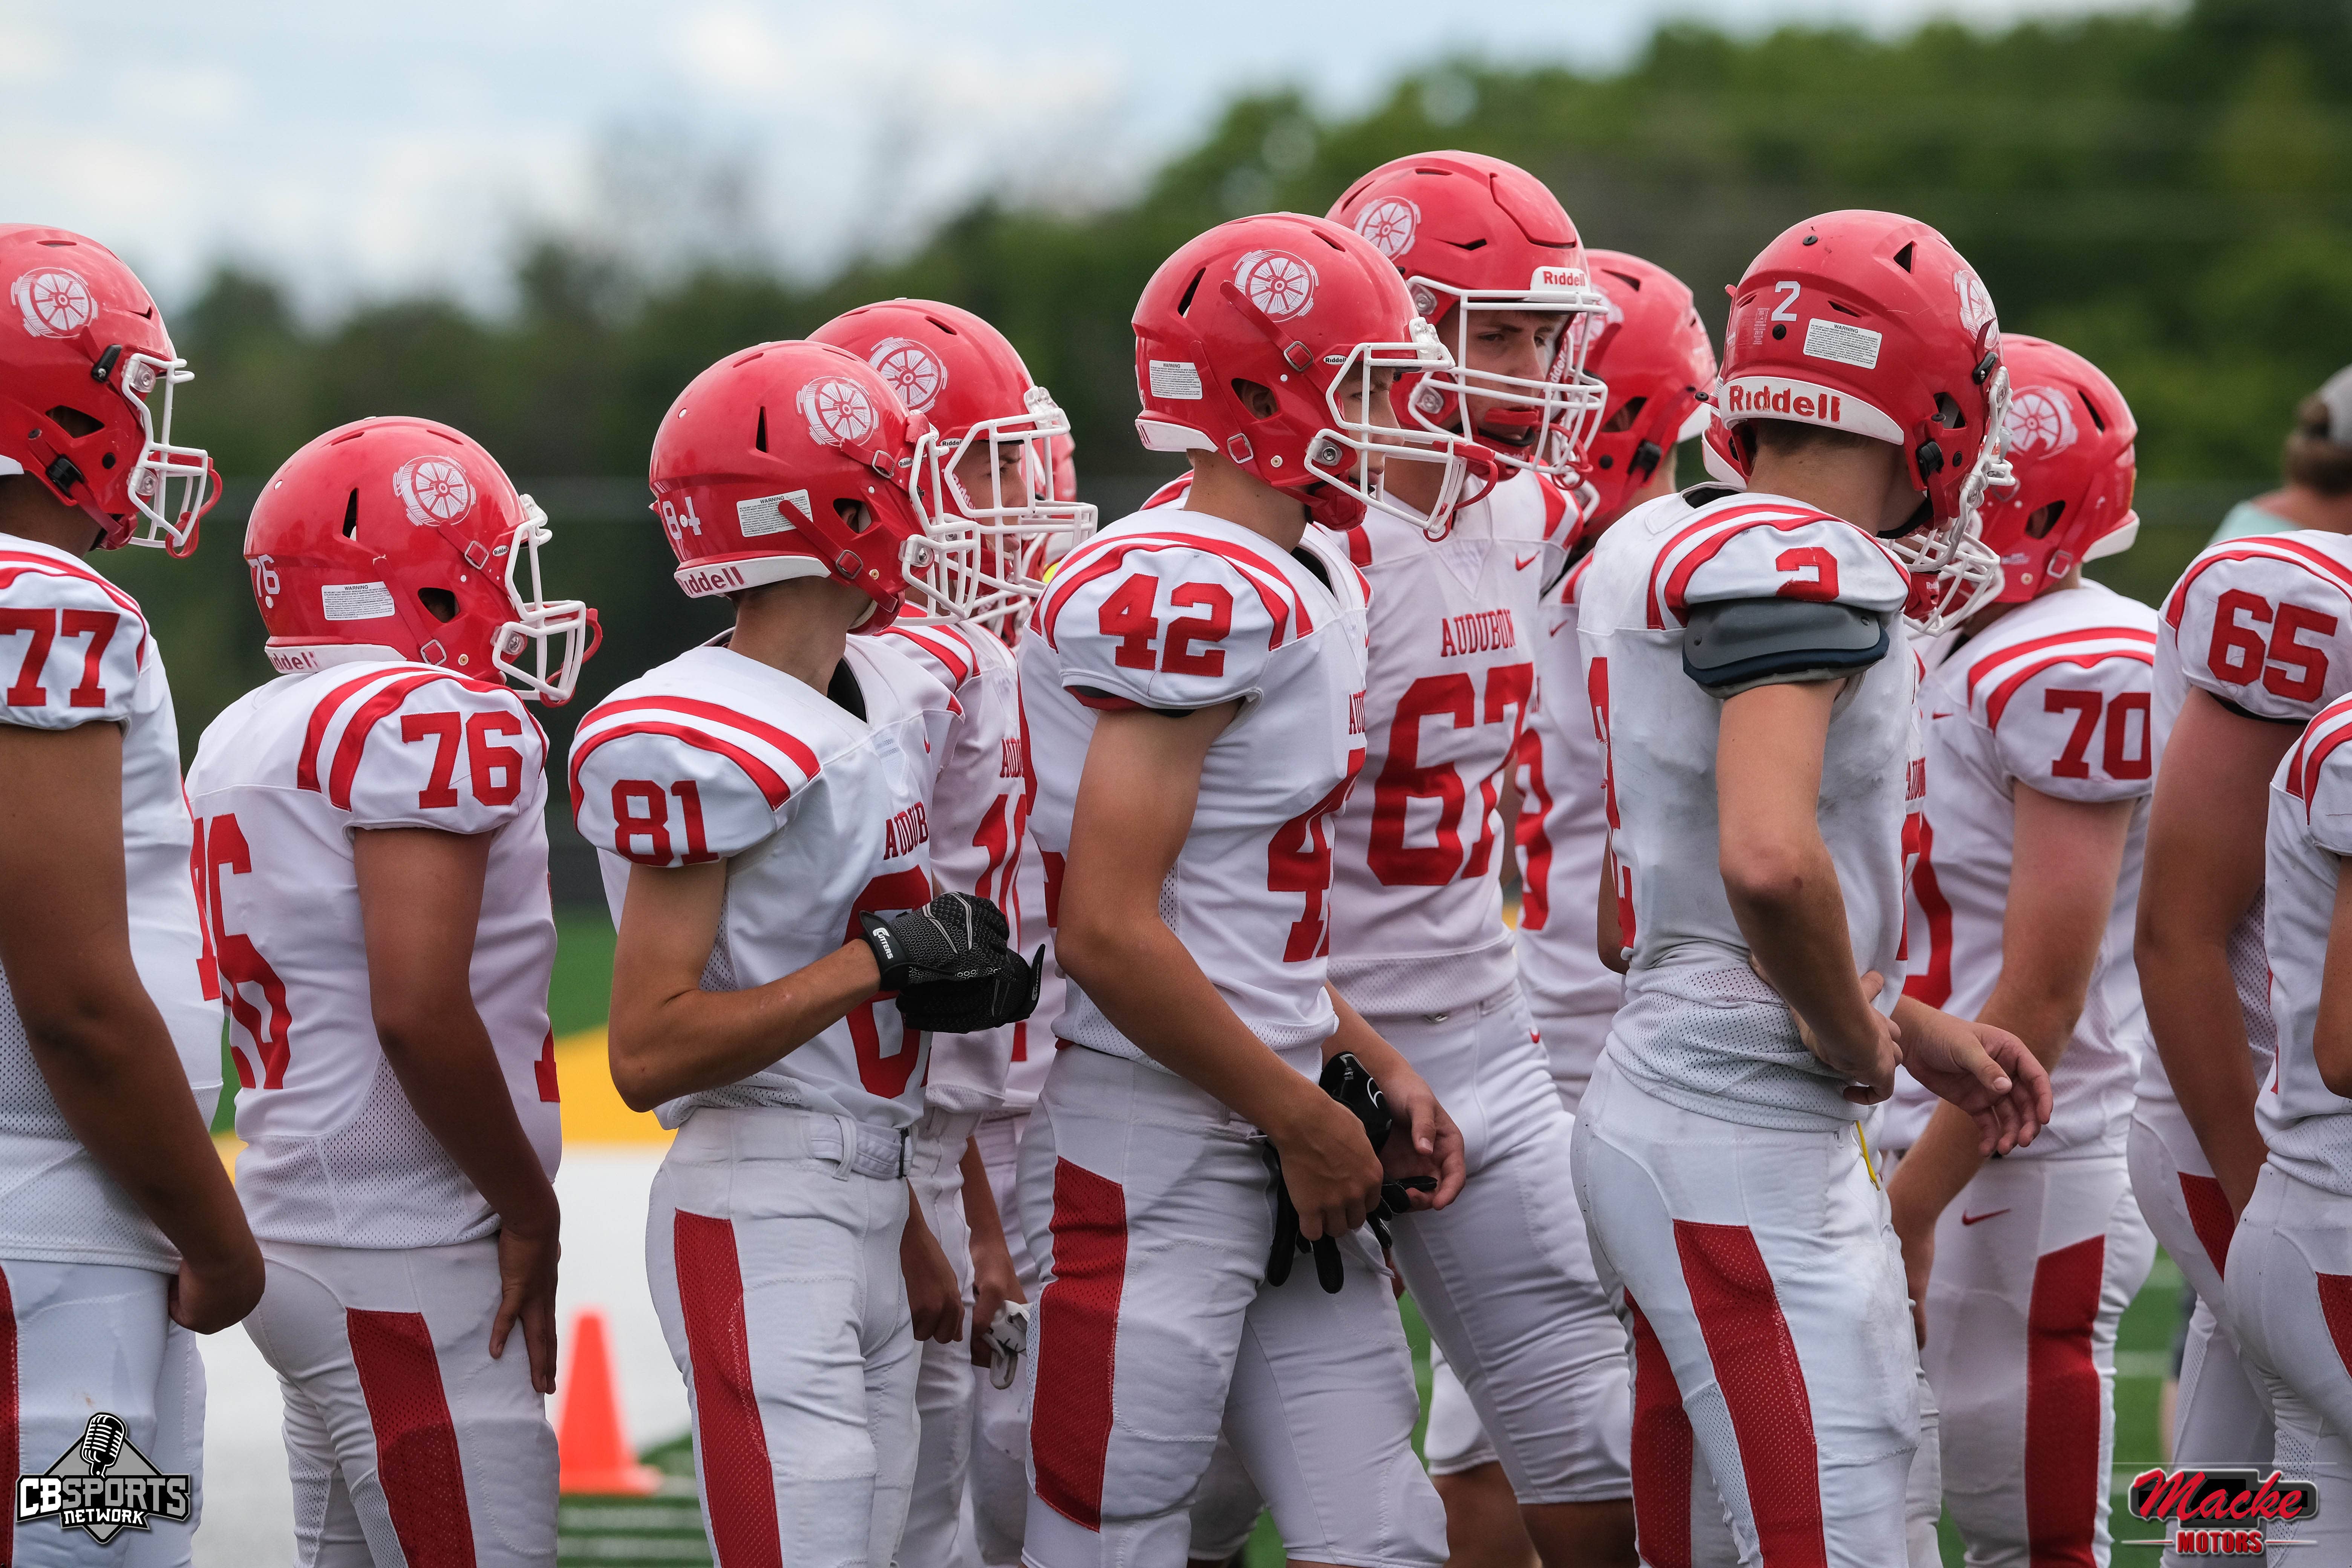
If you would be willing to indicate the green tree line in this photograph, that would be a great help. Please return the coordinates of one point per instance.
(2168, 193)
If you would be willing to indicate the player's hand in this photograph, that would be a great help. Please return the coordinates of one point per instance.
(994, 1281)
(527, 1297)
(1986, 1071)
(208, 1297)
(932, 1296)
(950, 966)
(1432, 1144)
(1871, 1057)
(1327, 1166)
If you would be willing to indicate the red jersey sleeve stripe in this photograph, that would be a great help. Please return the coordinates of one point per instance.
(1279, 604)
(1731, 524)
(1993, 661)
(693, 708)
(305, 767)
(2318, 562)
(1999, 701)
(22, 564)
(353, 744)
(770, 782)
(2302, 777)
(948, 648)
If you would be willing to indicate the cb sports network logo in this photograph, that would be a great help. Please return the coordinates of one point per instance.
(2221, 1513)
(103, 1485)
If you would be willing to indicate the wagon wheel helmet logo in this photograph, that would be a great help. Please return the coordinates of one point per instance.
(913, 372)
(837, 410)
(434, 491)
(1976, 305)
(1390, 224)
(1280, 284)
(2039, 424)
(56, 302)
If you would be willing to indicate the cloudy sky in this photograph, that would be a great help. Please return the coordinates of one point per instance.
(354, 154)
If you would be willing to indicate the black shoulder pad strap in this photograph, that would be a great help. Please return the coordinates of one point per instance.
(1706, 493)
(1731, 646)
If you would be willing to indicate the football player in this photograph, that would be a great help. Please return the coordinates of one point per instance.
(2290, 1278)
(119, 1231)
(1504, 1277)
(984, 490)
(761, 806)
(1760, 765)
(1651, 350)
(2039, 764)
(2251, 646)
(1194, 686)
(373, 848)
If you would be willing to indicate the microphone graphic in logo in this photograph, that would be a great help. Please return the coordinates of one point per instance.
(101, 1442)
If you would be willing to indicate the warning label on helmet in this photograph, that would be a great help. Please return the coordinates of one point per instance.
(1175, 378)
(1847, 345)
(355, 601)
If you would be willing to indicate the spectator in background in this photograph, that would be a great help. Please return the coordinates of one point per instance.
(2317, 469)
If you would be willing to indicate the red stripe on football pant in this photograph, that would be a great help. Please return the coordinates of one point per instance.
(1662, 1452)
(2065, 1407)
(1069, 1428)
(2336, 1311)
(1763, 1384)
(2208, 1215)
(738, 1479)
(771, 783)
(415, 1442)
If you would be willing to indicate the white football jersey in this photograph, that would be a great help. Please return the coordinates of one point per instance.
(75, 649)
(1563, 839)
(980, 807)
(1180, 611)
(2307, 1125)
(1698, 1027)
(819, 811)
(2052, 696)
(2265, 625)
(1416, 894)
(335, 1155)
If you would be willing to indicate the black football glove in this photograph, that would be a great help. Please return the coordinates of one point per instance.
(1345, 1080)
(951, 966)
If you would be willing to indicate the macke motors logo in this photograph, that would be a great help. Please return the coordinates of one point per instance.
(2221, 1513)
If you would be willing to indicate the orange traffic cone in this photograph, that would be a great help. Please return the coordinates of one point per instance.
(592, 1447)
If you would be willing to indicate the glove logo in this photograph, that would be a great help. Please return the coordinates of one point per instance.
(434, 491)
(2039, 424)
(913, 372)
(1390, 224)
(837, 411)
(55, 303)
(1280, 284)
(102, 1485)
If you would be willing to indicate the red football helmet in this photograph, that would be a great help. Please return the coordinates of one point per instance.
(1872, 323)
(2069, 448)
(399, 539)
(959, 373)
(1475, 235)
(80, 366)
(1310, 311)
(1651, 352)
(759, 466)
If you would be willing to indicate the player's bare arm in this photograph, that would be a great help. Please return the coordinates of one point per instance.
(2204, 870)
(2050, 933)
(1782, 885)
(102, 1047)
(1434, 1149)
(933, 1298)
(1608, 934)
(420, 901)
(994, 1281)
(2331, 1040)
(1135, 804)
(669, 1036)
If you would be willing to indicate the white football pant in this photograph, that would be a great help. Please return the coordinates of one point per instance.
(2290, 1295)
(1150, 1208)
(1774, 1358)
(2035, 1262)
(81, 1338)
(936, 1535)
(999, 1482)
(1503, 1275)
(772, 1245)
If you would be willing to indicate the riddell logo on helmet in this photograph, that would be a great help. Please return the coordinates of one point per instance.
(1548, 278)
(701, 580)
(1752, 398)
(56, 302)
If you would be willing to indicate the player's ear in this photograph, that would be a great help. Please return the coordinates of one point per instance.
(1257, 398)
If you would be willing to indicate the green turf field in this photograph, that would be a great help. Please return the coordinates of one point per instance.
(665, 1531)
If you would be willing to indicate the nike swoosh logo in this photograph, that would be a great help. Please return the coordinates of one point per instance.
(1979, 1218)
